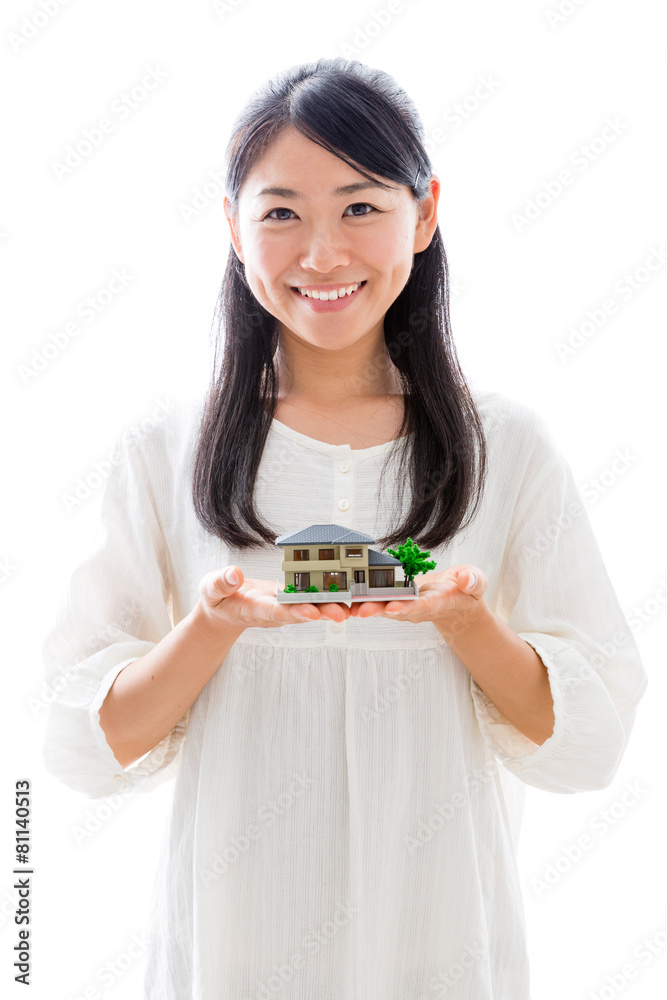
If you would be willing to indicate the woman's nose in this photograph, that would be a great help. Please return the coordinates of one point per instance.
(325, 252)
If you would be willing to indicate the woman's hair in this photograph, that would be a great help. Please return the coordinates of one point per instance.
(362, 116)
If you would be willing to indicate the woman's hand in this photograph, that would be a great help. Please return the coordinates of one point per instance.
(444, 598)
(253, 604)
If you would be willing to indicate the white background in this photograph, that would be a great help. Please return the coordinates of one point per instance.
(553, 81)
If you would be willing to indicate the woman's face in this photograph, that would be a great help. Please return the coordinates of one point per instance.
(310, 236)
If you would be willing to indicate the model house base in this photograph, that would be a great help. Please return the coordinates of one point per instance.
(346, 596)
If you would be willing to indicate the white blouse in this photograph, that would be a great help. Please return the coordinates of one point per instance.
(347, 800)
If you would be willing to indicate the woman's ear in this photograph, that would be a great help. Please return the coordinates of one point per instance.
(232, 220)
(427, 216)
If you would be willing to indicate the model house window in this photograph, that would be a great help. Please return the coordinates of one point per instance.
(381, 577)
(326, 554)
(339, 578)
(301, 580)
(354, 553)
(301, 555)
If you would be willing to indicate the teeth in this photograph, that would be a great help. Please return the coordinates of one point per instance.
(332, 295)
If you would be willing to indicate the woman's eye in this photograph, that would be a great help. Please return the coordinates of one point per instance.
(358, 215)
(270, 214)
(362, 204)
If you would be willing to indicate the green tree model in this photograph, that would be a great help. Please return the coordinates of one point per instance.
(413, 560)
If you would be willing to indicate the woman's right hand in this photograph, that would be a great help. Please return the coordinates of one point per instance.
(252, 603)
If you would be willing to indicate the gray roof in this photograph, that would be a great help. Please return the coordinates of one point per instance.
(382, 559)
(325, 534)
(334, 534)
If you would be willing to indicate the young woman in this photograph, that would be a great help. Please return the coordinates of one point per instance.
(348, 781)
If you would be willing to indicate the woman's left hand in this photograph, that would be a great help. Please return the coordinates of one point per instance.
(444, 598)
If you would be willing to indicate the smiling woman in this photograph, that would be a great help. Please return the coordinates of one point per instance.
(320, 246)
(300, 152)
(349, 786)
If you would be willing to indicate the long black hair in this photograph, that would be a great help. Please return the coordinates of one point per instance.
(361, 115)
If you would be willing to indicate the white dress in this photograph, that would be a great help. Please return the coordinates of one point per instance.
(347, 800)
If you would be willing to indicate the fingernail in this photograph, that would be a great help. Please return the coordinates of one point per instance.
(231, 577)
(472, 581)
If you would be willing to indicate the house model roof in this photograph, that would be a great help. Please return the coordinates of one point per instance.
(335, 534)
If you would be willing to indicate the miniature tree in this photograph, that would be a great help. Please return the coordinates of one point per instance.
(412, 559)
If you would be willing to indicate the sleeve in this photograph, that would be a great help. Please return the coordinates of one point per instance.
(555, 593)
(116, 609)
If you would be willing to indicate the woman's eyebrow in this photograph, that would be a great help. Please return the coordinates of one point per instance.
(282, 192)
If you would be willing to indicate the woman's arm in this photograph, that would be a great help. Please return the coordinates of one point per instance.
(508, 670)
(152, 693)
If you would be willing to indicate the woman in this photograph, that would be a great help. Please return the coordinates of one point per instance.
(348, 792)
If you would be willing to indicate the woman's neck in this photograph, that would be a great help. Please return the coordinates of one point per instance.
(335, 380)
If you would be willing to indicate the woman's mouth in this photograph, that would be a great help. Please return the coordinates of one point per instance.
(344, 295)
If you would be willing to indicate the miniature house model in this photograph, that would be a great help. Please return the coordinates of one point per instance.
(325, 554)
